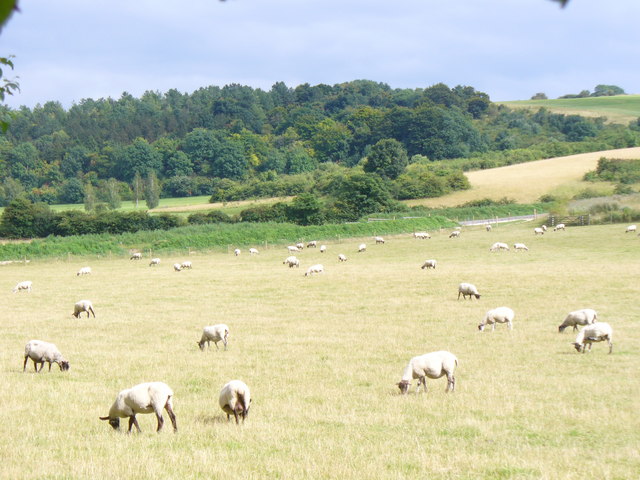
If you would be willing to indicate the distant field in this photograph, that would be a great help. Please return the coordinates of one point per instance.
(618, 109)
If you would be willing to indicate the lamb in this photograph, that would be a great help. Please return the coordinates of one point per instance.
(429, 264)
(362, 248)
(177, 267)
(586, 316)
(518, 247)
(538, 231)
(235, 399)
(318, 268)
(499, 246)
(84, 271)
(421, 235)
(432, 365)
(559, 226)
(136, 256)
(469, 289)
(454, 234)
(498, 315)
(215, 334)
(83, 306)
(342, 257)
(300, 246)
(186, 265)
(292, 261)
(312, 244)
(236, 252)
(379, 240)
(154, 262)
(323, 248)
(41, 352)
(26, 285)
(597, 332)
(293, 249)
(253, 251)
(143, 398)
(630, 228)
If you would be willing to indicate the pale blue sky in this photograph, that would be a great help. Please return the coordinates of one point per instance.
(67, 50)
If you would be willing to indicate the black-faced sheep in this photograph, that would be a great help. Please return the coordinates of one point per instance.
(215, 334)
(292, 261)
(559, 226)
(431, 365)
(596, 332)
(467, 289)
(26, 286)
(83, 306)
(84, 271)
(41, 352)
(431, 263)
(499, 246)
(454, 234)
(154, 262)
(136, 256)
(630, 228)
(362, 248)
(318, 268)
(498, 315)
(586, 316)
(235, 399)
(342, 257)
(378, 240)
(520, 247)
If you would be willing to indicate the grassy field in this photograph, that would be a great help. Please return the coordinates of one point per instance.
(322, 355)
(618, 109)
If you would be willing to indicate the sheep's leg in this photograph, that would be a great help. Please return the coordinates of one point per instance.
(24, 367)
(160, 421)
(217, 347)
(451, 383)
(459, 295)
(133, 421)
(172, 416)
(49, 365)
(41, 366)
(610, 346)
(235, 414)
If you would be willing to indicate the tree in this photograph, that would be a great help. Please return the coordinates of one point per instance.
(137, 187)
(7, 87)
(360, 194)
(152, 190)
(72, 191)
(607, 90)
(539, 96)
(113, 194)
(305, 209)
(89, 197)
(387, 158)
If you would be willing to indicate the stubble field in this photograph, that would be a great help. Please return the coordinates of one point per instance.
(322, 355)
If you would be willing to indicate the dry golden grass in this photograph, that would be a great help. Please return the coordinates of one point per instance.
(527, 182)
(321, 356)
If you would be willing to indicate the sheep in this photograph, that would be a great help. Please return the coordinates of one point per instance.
(498, 315)
(186, 265)
(586, 316)
(488, 228)
(538, 231)
(136, 256)
(379, 240)
(342, 257)
(143, 398)
(559, 226)
(432, 365)
(293, 249)
(318, 268)
(499, 246)
(421, 235)
(154, 262)
(429, 264)
(597, 332)
(41, 352)
(26, 285)
(177, 267)
(84, 271)
(83, 306)
(544, 227)
(235, 399)
(323, 248)
(454, 234)
(292, 261)
(630, 228)
(312, 244)
(253, 251)
(215, 334)
(520, 247)
(236, 252)
(362, 248)
(469, 289)
(300, 246)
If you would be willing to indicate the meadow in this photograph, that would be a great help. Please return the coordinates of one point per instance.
(322, 355)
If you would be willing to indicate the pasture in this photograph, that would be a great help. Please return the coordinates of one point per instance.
(322, 355)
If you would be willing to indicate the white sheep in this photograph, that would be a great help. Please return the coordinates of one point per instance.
(432, 365)
(293, 249)
(151, 397)
(84, 271)
(83, 306)
(559, 226)
(586, 316)
(215, 334)
(292, 261)
(253, 251)
(520, 247)
(488, 228)
(362, 248)
(318, 268)
(544, 227)
(429, 264)
(136, 256)
(154, 262)
(312, 244)
(597, 332)
(421, 235)
(26, 285)
(498, 315)
(177, 267)
(186, 265)
(342, 257)
(41, 352)
(323, 248)
(236, 252)
(235, 399)
(454, 234)
(498, 246)
(300, 246)
(630, 228)
(469, 289)
(538, 231)
(379, 240)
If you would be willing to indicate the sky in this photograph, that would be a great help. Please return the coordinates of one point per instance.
(69, 50)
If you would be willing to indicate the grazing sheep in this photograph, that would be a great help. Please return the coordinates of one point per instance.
(538, 231)
(559, 226)
(186, 265)
(342, 257)
(469, 289)
(432, 365)
(300, 245)
(421, 235)
(143, 398)
(454, 234)
(83, 306)
(41, 352)
(498, 315)
(154, 262)
(236, 252)
(253, 251)
(379, 240)
(215, 334)
(84, 271)
(293, 249)
(177, 267)
(597, 332)
(630, 228)
(235, 399)
(488, 228)
(429, 264)
(362, 248)
(323, 248)
(292, 261)
(136, 256)
(586, 316)
(520, 247)
(318, 268)
(312, 244)
(499, 246)
(26, 285)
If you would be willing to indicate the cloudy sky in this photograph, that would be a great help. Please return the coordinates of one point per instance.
(67, 50)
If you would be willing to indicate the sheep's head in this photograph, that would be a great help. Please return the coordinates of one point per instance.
(578, 346)
(481, 327)
(201, 345)
(561, 328)
(114, 422)
(404, 385)
(477, 295)
(64, 365)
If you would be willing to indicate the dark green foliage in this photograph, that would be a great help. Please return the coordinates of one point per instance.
(305, 209)
(359, 194)
(72, 191)
(213, 216)
(387, 158)
(615, 170)
(152, 190)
